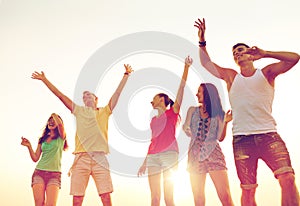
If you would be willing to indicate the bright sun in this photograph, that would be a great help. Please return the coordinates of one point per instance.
(181, 180)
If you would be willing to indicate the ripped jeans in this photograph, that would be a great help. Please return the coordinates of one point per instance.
(249, 148)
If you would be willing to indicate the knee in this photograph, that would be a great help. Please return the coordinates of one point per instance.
(286, 180)
(248, 197)
(105, 198)
(226, 198)
(77, 200)
(39, 202)
(199, 201)
(50, 204)
(248, 194)
(155, 200)
(169, 201)
(199, 197)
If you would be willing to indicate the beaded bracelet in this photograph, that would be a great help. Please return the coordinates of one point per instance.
(202, 43)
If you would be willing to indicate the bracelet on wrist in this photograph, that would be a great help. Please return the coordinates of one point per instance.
(126, 73)
(202, 43)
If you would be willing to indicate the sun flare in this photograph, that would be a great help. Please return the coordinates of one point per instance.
(181, 180)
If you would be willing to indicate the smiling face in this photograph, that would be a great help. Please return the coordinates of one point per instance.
(200, 94)
(238, 53)
(89, 99)
(51, 124)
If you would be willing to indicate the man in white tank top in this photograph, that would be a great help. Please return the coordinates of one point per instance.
(251, 94)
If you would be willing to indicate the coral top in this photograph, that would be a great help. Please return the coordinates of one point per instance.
(163, 132)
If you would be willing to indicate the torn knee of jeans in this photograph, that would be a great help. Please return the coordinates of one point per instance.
(241, 157)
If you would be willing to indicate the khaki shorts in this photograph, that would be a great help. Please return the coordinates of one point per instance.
(94, 164)
(163, 160)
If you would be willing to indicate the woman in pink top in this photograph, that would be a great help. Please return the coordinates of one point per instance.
(162, 154)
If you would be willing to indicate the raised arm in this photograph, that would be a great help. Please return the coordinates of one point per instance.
(188, 62)
(35, 156)
(186, 126)
(60, 125)
(223, 129)
(65, 100)
(286, 61)
(222, 73)
(115, 97)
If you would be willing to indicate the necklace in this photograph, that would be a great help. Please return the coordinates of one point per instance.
(202, 126)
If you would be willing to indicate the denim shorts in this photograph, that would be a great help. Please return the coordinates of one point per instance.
(268, 147)
(46, 178)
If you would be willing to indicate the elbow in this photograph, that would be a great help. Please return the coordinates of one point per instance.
(295, 59)
(34, 159)
(203, 63)
(298, 58)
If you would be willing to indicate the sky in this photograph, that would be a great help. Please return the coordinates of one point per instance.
(84, 44)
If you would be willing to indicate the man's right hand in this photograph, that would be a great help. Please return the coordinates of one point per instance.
(200, 24)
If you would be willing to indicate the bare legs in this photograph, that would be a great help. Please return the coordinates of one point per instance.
(154, 178)
(220, 181)
(105, 198)
(198, 183)
(39, 194)
(40, 197)
(248, 198)
(77, 200)
(289, 192)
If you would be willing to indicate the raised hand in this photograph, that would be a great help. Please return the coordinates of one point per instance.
(128, 68)
(38, 76)
(255, 52)
(25, 142)
(200, 24)
(56, 119)
(188, 60)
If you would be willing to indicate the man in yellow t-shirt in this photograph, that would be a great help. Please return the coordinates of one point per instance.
(91, 140)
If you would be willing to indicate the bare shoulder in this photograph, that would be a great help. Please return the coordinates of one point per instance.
(231, 74)
(191, 109)
(269, 75)
(228, 77)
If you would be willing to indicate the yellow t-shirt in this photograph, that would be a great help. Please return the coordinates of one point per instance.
(91, 129)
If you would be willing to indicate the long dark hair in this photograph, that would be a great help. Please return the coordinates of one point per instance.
(46, 132)
(212, 100)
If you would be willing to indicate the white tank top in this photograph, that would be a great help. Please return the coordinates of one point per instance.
(251, 100)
